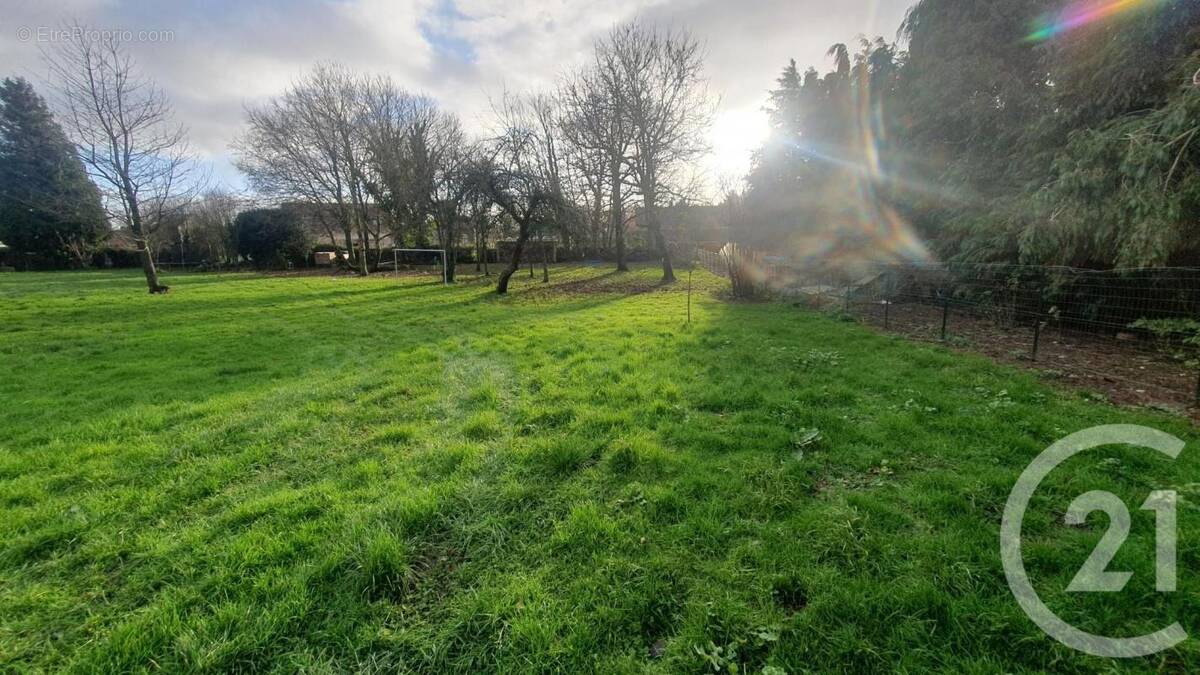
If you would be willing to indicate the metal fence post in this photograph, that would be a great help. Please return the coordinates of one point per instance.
(945, 315)
(1037, 323)
(887, 297)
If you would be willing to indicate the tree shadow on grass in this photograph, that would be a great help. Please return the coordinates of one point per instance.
(213, 346)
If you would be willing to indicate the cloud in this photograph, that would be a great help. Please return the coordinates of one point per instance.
(226, 54)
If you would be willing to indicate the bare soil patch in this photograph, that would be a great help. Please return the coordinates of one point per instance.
(609, 283)
(1123, 371)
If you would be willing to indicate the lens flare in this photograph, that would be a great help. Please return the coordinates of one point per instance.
(1082, 13)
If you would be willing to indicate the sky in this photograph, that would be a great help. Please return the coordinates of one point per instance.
(214, 58)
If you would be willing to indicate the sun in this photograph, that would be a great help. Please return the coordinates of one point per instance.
(735, 135)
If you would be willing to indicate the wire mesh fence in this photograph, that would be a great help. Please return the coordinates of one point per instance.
(1131, 335)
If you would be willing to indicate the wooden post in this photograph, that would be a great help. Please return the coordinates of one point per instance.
(945, 315)
(689, 298)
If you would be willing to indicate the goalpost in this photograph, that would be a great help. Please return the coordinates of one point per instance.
(396, 258)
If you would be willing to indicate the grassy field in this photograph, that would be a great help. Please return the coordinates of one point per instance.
(329, 474)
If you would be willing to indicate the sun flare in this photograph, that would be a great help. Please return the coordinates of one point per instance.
(734, 137)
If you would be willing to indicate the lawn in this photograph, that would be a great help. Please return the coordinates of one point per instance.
(267, 473)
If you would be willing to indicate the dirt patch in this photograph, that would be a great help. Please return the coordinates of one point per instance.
(611, 283)
(1124, 371)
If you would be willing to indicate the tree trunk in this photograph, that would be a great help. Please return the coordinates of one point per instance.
(618, 214)
(515, 263)
(655, 228)
(668, 271)
(597, 218)
(139, 238)
(451, 258)
(350, 251)
(545, 262)
(622, 266)
(148, 266)
(363, 248)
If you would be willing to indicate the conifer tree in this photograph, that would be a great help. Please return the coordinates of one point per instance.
(48, 206)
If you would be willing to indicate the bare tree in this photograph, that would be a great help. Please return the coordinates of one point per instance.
(309, 145)
(666, 104)
(461, 179)
(597, 123)
(440, 174)
(210, 225)
(516, 174)
(123, 126)
(481, 217)
(586, 171)
(546, 110)
(422, 165)
(396, 127)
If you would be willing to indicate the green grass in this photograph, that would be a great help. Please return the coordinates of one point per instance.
(331, 474)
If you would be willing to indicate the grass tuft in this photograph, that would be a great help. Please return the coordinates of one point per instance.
(482, 426)
(393, 434)
(382, 561)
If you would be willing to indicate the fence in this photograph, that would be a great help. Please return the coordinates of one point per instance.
(712, 261)
(1130, 334)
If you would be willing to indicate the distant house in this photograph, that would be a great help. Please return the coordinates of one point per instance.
(322, 223)
(325, 258)
(117, 250)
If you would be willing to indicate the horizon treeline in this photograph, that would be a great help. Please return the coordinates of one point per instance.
(989, 131)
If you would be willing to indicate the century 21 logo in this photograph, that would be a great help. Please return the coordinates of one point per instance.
(1094, 575)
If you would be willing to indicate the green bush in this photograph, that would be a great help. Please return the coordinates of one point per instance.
(270, 238)
(1178, 337)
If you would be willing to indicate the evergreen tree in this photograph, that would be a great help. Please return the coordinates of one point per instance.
(1125, 187)
(1005, 132)
(48, 206)
(815, 183)
(777, 163)
(270, 238)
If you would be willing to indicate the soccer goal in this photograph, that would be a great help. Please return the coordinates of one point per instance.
(441, 256)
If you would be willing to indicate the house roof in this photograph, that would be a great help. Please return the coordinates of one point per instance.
(120, 240)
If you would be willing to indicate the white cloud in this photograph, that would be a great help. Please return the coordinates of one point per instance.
(225, 54)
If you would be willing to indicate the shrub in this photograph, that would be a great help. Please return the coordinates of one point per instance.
(270, 238)
(745, 271)
(1178, 337)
